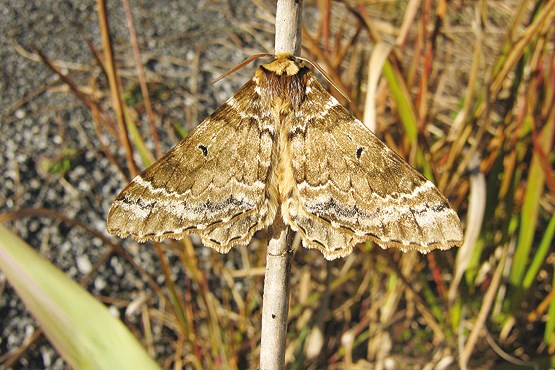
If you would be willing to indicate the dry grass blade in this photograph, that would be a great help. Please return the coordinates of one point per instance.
(142, 77)
(476, 210)
(111, 71)
(375, 65)
(482, 317)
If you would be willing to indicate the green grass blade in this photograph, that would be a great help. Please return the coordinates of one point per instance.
(401, 96)
(530, 209)
(541, 254)
(138, 142)
(549, 333)
(78, 326)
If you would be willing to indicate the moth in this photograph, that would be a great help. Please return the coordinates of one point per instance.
(282, 146)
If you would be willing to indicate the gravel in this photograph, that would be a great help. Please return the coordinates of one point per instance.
(41, 122)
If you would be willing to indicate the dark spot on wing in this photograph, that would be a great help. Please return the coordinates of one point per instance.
(359, 152)
(204, 149)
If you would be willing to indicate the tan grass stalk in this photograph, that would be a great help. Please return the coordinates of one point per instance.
(114, 85)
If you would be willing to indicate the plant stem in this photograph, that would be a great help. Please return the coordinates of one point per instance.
(275, 307)
(288, 26)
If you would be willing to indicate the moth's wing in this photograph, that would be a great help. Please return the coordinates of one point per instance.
(213, 183)
(349, 187)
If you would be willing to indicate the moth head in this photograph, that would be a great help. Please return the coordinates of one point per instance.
(284, 64)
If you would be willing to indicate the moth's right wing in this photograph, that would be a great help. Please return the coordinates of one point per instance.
(213, 183)
(349, 187)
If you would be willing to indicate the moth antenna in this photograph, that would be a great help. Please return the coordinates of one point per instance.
(326, 76)
(241, 65)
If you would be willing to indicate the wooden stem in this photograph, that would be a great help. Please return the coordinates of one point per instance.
(275, 307)
(288, 26)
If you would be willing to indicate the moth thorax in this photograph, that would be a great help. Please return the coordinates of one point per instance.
(283, 91)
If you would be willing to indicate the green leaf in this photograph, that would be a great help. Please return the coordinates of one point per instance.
(530, 209)
(78, 326)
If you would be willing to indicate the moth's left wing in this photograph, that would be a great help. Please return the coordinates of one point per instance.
(214, 183)
(349, 187)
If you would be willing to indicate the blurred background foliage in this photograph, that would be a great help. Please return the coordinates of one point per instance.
(465, 94)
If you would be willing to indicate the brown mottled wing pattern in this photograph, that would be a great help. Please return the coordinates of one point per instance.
(213, 183)
(350, 187)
